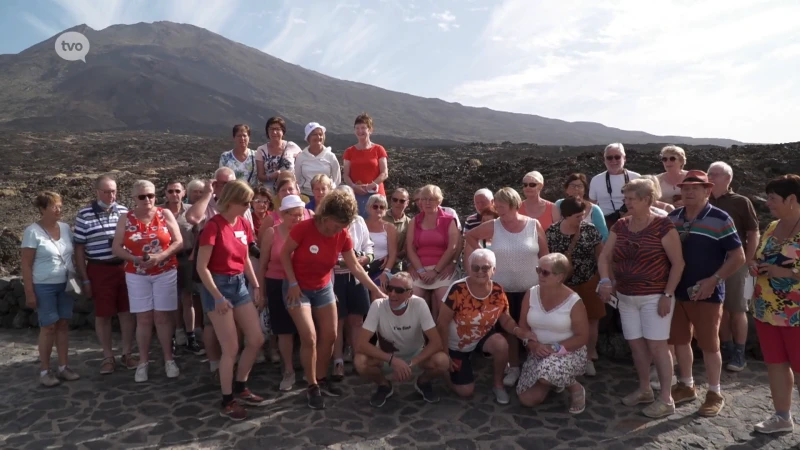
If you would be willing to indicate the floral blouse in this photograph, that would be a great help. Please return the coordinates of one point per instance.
(245, 171)
(584, 260)
(776, 301)
(152, 238)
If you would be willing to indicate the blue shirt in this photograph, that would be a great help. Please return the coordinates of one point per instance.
(597, 218)
(706, 242)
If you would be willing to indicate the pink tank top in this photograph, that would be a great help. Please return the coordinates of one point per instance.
(546, 219)
(276, 216)
(431, 244)
(275, 267)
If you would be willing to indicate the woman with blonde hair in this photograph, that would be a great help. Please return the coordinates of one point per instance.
(534, 205)
(663, 206)
(224, 266)
(674, 160)
(384, 239)
(321, 185)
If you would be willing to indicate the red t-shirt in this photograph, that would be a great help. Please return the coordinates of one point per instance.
(364, 167)
(229, 243)
(316, 254)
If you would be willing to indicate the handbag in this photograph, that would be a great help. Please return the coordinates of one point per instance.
(73, 285)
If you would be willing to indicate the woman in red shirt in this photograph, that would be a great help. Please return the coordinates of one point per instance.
(365, 164)
(223, 263)
(309, 255)
(148, 240)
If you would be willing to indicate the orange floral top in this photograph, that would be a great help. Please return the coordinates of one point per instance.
(152, 238)
(473, 317)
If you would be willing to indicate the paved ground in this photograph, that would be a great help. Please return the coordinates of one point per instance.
(105, 412)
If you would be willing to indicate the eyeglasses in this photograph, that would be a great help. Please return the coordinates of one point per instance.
(146, 196)
(174, 191)
(379, 207)
(484, 269)
(532, 185)
(668, 158)
(397, 289)
(544, 272)
(576, 186)
(260, 201)
(398, 200)
(686, 230)
(108, 191)
(613, 157)
(428, 199)
(275, 129)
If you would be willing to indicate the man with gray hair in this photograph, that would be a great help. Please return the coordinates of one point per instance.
(206, 206)
(482, 199)
(733, 327)
(605, 189)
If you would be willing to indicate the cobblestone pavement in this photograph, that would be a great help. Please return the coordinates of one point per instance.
(108, 412)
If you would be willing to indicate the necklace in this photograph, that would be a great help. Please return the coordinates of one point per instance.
(790, 233)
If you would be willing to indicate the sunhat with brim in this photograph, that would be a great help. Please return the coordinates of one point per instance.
(313, 126)
(291, 201)
(696, 177)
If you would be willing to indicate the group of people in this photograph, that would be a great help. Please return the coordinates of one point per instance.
(285, 243)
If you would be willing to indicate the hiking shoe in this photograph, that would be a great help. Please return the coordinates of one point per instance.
(338, 371)
(314, 396)
(194, 347)
(141, 373)
(49, 379)
(681, 393)
(501, 396)
(329, 389)
(250, 399)
(180, 337)
(659, 409)
(512, 375)
(426, 391)
(590, 370)
(638, 397)
(378, 399)
(712, 406)
(737, 361)
(68, 374)
(233, 411)
(775, 424)
(287, 382)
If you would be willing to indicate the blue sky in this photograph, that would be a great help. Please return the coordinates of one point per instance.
(706, 68)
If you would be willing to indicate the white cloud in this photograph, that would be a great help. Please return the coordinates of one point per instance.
(298, 21)
(43, 28)
(446, 20)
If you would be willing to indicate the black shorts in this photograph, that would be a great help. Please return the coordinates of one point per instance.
(464, 374)
(351, 298)
(279, 319)
(515, 304)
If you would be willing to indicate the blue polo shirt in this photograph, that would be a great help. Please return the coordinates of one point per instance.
(706, 244)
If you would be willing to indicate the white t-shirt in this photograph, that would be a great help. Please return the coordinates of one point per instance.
(48, 265)
(402, 335)
(598, 191)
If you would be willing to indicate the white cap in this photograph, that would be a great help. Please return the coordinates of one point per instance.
(291, 201)
(311, 127)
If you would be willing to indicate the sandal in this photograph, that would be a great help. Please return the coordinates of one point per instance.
(578, 401)
(107, 366)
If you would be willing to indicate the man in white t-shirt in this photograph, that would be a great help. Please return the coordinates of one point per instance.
(605, 189)
(401, 323)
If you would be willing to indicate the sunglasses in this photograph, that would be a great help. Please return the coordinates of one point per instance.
(544, 272)
(146, 196)
(668, 158)
(174, 191)
(378, 207)
(613, 157)
(398, 200)
(686, 230)
(484, 269)
(532, 185)
(397, 289)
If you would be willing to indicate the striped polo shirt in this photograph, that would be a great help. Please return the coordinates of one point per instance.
(95, 228)
(706, 242)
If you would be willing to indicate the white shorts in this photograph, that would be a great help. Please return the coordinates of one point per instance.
(153, 292)
(640, 319)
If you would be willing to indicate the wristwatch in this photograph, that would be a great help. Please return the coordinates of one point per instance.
(668, 295)
(525, 342)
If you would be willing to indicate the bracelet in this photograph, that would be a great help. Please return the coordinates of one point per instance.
(293, 284)
(421, 270)
(605, 281)
(387, 271)
(220, 301)
(514, 330)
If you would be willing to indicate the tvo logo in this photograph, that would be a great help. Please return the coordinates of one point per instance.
(72, 46)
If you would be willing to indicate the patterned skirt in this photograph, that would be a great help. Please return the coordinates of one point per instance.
(558, 370)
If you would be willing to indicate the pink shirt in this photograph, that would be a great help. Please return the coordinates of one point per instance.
(275, 267)
(276, 216)
(431, 244)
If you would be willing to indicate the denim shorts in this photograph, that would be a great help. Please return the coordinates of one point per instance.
(52, 303)
(315, 299)
(232, 287)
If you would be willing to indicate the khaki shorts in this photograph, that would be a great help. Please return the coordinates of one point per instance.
(735, 300)
(700, 319)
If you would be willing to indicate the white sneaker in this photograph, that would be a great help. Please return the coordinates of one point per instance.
(172, 369)
(590, 370)
(180, 337)
(287, 382)
(512, 375)
(141, 373)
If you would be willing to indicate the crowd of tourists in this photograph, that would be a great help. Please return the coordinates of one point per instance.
(287, 245)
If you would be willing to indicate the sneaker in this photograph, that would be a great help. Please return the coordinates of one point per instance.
(329, 389)
(274, 356)
(682, 393)
(590, 370)
(726, 349)
(378, 399)
(171, 368)
(712, 406)
(129, 362)
(287, 382)
(512, 375)
(638, 397)
(775, 424)
(193, 347)
(315, 400)
(426, 391)
(68, 374)
(141, 373)
(233, 411)
(49, 379)
(338, 371)
(250, 399)
(180, 337)
(348, 354)
(737, 362)
(659, 409)
(501, 396)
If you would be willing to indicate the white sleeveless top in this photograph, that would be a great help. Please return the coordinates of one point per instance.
(381, 241)
(552, 326)
(517, 256)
